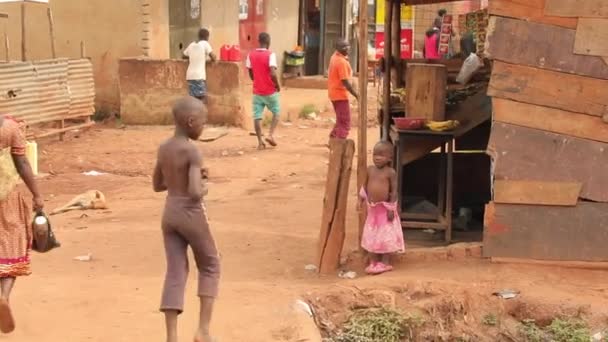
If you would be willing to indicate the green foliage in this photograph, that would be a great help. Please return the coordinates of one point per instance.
(531, 332)
(306, 110)
(490, 320)
(378, 325)
(569, 330)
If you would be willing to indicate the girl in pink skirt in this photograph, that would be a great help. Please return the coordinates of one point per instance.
(382, 234)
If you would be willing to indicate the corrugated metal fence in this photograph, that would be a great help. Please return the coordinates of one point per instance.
(47, 90)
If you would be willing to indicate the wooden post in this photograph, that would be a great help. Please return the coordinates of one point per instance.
(333, 231)
(386, 99)
(49, 13)
(7, 46)
(397, 78)
(83, 51)
(363, 80)
(23, 46)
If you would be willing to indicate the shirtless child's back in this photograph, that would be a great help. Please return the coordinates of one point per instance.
(184, 223)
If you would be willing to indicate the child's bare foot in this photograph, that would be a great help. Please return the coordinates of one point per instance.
(271, 141)
(7, 322)
(261, 146)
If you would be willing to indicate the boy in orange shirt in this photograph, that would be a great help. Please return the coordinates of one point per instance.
(338, 86)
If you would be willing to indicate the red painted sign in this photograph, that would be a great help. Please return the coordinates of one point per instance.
(406, 42)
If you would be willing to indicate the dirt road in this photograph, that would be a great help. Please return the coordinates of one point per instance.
(265, 210)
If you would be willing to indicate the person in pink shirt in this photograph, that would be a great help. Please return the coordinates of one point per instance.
(431, 44)
(262, 66)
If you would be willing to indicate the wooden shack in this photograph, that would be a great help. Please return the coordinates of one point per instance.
(549, 139)
(549, 135)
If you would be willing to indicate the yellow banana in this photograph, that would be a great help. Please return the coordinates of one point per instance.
(442, 126)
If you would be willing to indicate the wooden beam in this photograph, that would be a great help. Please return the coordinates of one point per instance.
(49, 13)
(386, 88)
(552, 47)
(550, 119)
(577, 8)
(535, 155)
(549, 88)
(535, 192)
(363, 81)
(592, 37)
(7, 57)
(23, 34)
(333, 232)
(531, 10)
(547, 232)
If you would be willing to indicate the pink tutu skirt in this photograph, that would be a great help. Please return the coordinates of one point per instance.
(381, 236)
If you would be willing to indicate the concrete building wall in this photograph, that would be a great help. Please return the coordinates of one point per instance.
(282, 25)
(155, 28)
(222, 19)
(110, 29)
(149, 87)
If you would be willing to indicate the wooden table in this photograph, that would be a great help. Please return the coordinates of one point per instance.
(442, 220)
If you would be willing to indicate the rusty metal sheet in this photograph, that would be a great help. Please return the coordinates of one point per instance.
(522, 153)
(81, 87)
(41, 91)
(34, 91)
(547, 233)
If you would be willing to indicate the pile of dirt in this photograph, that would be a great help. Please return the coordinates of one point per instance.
(449, 312)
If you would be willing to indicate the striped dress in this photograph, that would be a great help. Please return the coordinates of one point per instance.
(15, 212)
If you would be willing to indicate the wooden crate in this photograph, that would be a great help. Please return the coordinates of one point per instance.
(426, 90)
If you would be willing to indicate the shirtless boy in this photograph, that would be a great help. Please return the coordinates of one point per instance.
(179, 172)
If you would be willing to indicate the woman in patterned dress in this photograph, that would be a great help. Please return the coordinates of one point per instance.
(15, 214)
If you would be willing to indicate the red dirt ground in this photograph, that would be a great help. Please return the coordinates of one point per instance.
(265, 211)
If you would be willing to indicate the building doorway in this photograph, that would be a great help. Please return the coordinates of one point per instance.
(184, 23)
(252, 22)
(322, 23)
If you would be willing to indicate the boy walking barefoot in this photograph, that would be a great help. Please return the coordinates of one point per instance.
(179, 172)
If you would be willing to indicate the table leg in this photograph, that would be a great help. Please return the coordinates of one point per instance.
(450, 185)
(398, 145)
(442, 175)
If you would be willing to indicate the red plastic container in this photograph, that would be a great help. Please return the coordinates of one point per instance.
(409, 124)
(225, 53)
(234, 53)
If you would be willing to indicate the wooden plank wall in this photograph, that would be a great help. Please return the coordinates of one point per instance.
(549, 139)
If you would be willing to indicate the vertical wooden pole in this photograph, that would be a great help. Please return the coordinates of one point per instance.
(396, 32)
(363, 80)
(23, 46)
(386, 107)
(83, 51)
(7, 46)
(49, 13)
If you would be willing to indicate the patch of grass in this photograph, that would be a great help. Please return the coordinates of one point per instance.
(267, 120)
(531, 332)
(377, 325)
(569, 330)
(306, 110)
(490, 320)
(560, 330)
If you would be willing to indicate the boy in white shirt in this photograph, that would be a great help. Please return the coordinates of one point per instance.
(197, 53)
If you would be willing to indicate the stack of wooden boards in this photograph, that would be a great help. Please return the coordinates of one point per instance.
(550, 134)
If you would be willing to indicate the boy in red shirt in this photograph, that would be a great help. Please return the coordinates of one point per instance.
(262, 66)
(338, 87)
